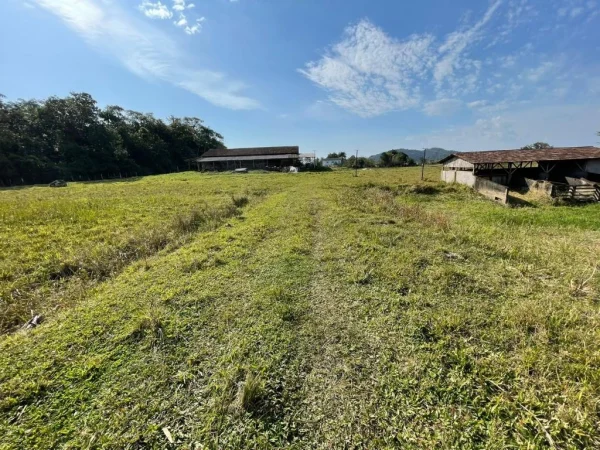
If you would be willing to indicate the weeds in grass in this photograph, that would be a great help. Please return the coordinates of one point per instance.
(250, 393)
(239, 202)
(385, 200)
(424, 189)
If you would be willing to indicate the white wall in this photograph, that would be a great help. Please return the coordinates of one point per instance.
(457, 162)
(464, 177)
(458, 176)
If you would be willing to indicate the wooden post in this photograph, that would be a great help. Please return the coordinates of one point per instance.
(423, 164)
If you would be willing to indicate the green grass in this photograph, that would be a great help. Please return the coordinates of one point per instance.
(299, 311)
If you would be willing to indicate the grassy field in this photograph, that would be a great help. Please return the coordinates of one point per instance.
(312, 310)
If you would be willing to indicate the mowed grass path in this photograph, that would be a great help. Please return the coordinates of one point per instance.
(329, 312)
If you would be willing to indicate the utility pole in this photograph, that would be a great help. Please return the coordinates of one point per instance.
(356, 164)
(423, 164)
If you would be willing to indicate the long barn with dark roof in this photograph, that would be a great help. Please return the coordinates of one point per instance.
(250, 158)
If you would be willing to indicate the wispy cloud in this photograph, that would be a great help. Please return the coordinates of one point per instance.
(452, 50)
(442, 107)
(538, 73)
(145, 51)
(370, 73)
(477, 104)
(518, 12)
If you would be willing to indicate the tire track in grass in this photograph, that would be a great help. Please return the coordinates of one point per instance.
(340, 350)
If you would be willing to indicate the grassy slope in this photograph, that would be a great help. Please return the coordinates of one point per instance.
(57, 240)
(335, 311)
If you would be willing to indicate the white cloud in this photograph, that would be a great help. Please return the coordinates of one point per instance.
(370, 73)
(182, 5)
(442, 107)
(182, 21)
(196, 28)
(146, 51)
(155, 10)
(477, 104)
(540, 72)
(451, 51)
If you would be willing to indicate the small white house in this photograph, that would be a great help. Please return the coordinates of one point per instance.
(332, 162)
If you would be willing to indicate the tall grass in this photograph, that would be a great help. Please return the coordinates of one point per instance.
(54, 241)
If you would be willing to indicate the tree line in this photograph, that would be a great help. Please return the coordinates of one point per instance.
(392, 158)
(72, 138)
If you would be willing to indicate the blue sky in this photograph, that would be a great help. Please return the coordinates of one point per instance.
(328, 75)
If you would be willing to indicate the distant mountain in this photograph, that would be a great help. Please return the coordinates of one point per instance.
(433, 154)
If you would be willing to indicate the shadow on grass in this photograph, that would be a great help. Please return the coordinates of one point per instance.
(109, 180)
(517, 202)
(18, 188)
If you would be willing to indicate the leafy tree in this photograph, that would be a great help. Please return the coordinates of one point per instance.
(385, 160)
(537, 146)
(73, 138)
(337, 155)
(361, 162)
(394, 158)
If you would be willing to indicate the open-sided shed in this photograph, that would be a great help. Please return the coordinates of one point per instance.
(250, 158)
(511, 167)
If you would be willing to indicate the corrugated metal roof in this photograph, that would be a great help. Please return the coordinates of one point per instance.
(547, 154)
(254, 151)
(246, 158)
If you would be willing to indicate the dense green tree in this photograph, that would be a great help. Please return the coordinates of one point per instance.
(394, 158)
(73, 138)
(337, 155)
(537, 146)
